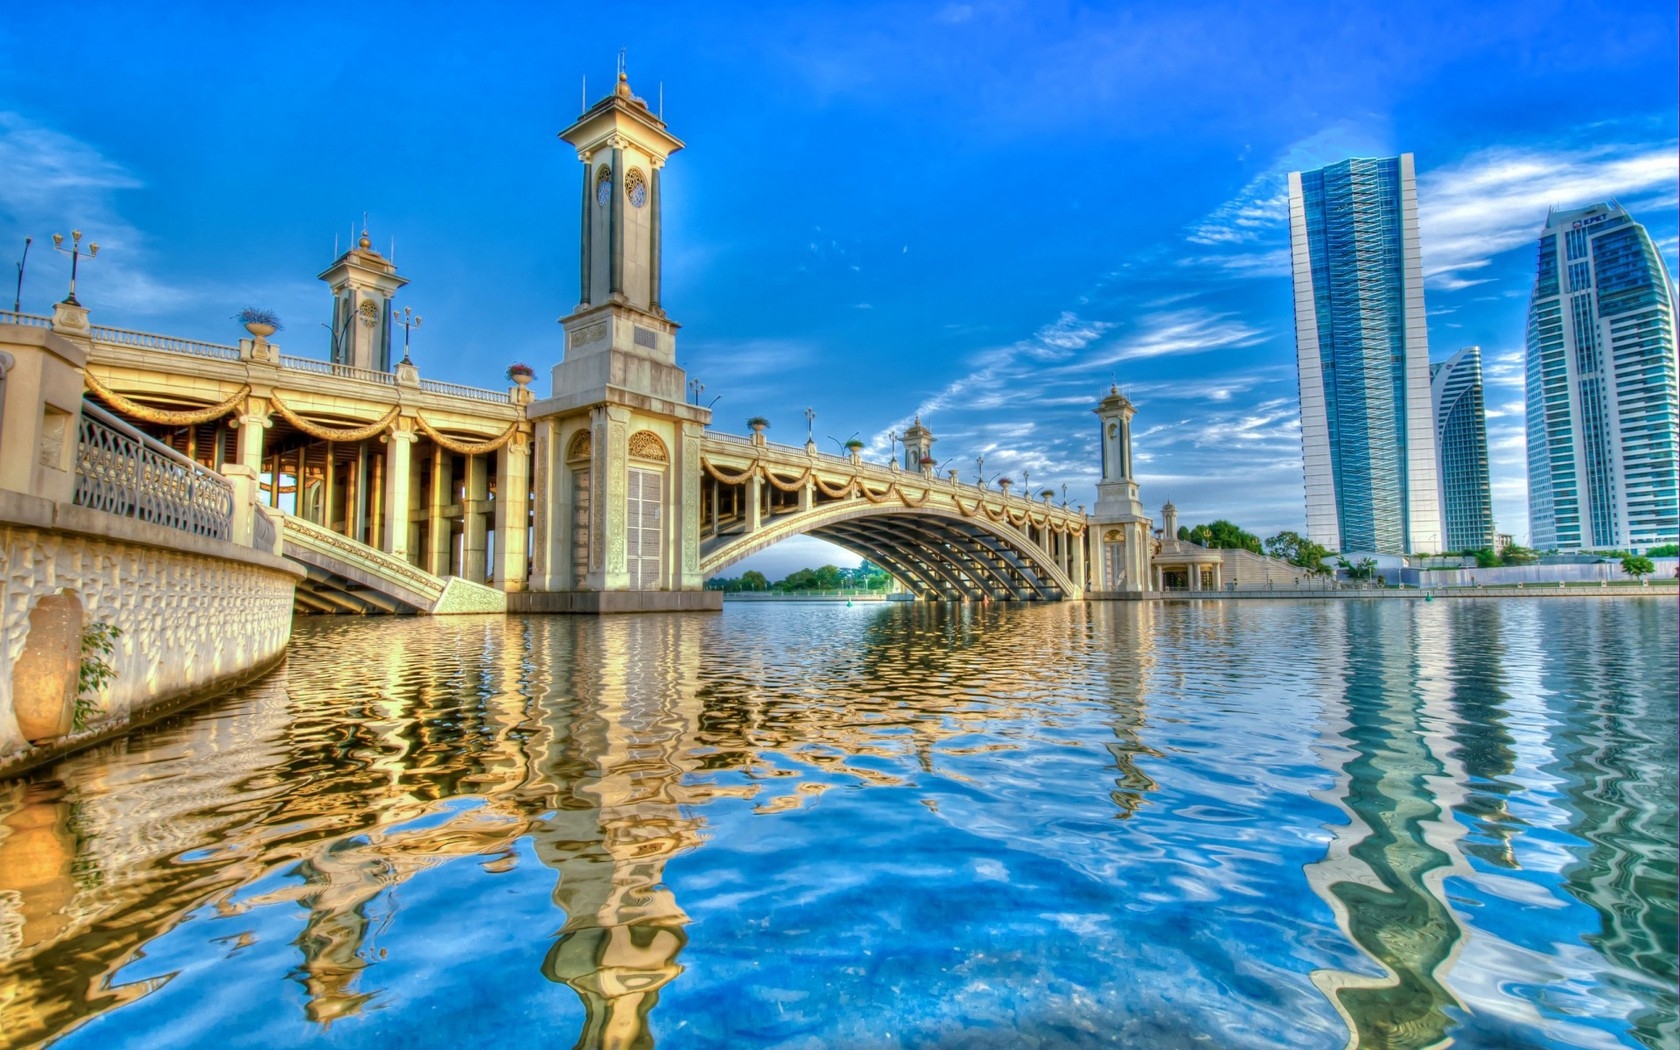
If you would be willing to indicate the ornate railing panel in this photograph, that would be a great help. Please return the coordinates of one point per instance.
(438, 386)
(27, 320)
(328, 368)
(356, 557)
(121, 471)
(150, 341)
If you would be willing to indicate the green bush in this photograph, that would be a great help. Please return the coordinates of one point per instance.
(99, 641)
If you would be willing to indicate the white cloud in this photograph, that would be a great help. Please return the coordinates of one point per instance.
(55, 183)
(1496, 200)
(1190, 331)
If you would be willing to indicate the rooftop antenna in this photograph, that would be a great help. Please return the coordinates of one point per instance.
(621, 52)
(393, 249)
(583, 96)
(335, 246)
(662, 100)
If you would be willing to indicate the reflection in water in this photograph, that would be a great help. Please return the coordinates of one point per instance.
(1384, 871)
(1076, 825)
(1622, 817)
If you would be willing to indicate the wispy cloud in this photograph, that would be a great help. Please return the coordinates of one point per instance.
(54, 182)
(1496, 200)
(1188, 331)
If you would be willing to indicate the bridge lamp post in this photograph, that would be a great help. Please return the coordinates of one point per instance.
(75, 253)
(980, 470)
(894, 437)
(810, 422)
(695, 389)
(1064, 495)
(409, 320)
(17, 303)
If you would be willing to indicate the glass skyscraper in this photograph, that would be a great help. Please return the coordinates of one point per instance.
(1455, 386)
(1603, 398)
(1362, 351)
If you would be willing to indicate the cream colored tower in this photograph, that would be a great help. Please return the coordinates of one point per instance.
(362, 283)
(1119, 528)
(617, 468)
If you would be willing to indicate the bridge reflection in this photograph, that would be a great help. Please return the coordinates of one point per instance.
(591, 746)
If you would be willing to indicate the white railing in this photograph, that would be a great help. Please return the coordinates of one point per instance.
(27, 320)
(150, 341)
(438, 386)
(121, 471)
(328, 368)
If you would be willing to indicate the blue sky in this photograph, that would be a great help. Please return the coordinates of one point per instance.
(980, 212)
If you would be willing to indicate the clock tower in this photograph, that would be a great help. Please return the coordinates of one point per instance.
(1120, 558)
(362, 283)
(617, 445)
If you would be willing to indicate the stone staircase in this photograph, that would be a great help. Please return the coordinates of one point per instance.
(345, 576)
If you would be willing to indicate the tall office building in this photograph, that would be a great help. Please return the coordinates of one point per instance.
(1461, 456)
(1362, 350)
(1603, 397)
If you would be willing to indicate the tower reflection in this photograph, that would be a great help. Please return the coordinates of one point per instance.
(1382, 875)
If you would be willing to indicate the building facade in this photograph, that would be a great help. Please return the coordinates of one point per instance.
(1602, 393)
(1455, 387)
(1367, 439)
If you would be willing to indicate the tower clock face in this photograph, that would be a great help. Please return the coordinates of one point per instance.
(370, 311)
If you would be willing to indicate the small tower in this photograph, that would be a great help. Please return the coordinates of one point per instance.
(362, 283)
(918, 445)
(1169, 520)
(1120, 560)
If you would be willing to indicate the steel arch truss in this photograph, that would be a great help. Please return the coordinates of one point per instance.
(938, 553)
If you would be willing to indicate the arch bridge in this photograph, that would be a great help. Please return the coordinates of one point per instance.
(940, 538)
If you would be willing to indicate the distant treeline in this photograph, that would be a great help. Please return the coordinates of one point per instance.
(865, 577)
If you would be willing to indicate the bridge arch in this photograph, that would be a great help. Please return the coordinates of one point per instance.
(936, 551)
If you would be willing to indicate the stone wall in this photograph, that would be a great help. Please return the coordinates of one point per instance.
(193, 612)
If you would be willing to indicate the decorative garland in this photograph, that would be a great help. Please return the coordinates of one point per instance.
(787, 486)
(843, 492)
(728, 479)
(315, 430)
(466, 448)
(165, 417)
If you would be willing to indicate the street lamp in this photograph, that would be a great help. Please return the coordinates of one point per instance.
(75, 254)
(17, 303)
(893, 437)
(695, 389)
(810, 420)
(980, 470)
(409, 320)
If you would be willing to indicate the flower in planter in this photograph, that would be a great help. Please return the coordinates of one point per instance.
(854, 444)
(252, 315)
(520, 368)
(758, 422)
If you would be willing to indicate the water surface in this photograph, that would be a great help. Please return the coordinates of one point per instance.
(1377, 824)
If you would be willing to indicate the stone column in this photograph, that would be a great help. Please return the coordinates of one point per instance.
(245, 469)
(1078, 572)
(615, 219)
(513, 511)
(399, 444)
(552, 505)
(439, 549)
(688, 483)
(754, 503)
(475, 538)
(1195, 575)
(584, 268)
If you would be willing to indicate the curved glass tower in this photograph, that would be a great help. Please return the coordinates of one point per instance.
(1603, 395)
(1455, 385)
(1367, 439)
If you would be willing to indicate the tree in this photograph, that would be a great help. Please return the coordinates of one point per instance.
(1296, 549)
(827, 578)
(1515, 555)
(753, 580)
(1363, 569)
(1485, 558)
(1223, 534)
(1638, 566)
(1667, 550)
